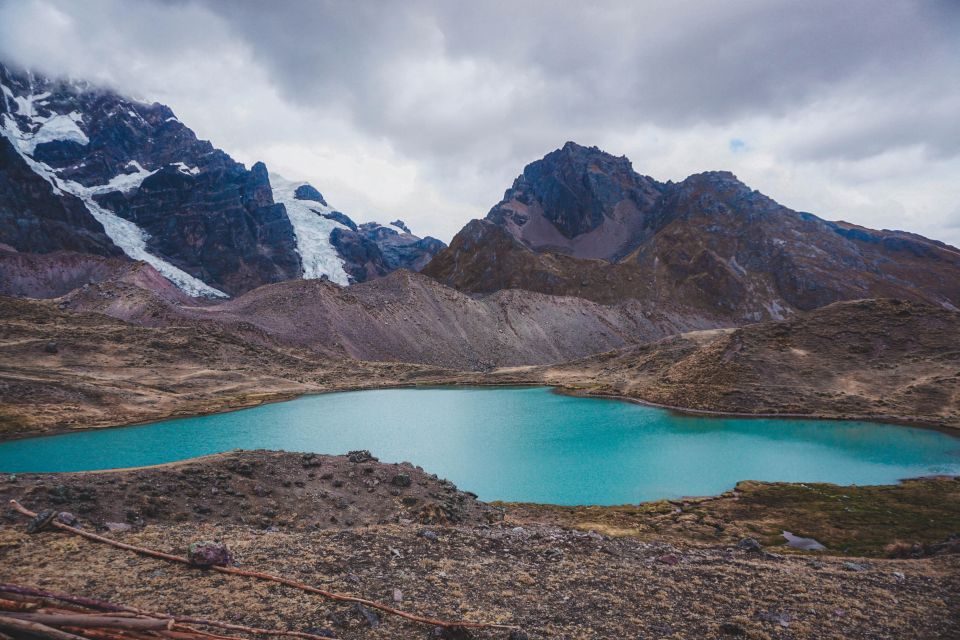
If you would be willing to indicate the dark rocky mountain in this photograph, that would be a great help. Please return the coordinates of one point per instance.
(579, 201)
(581, 222)
(84, 169)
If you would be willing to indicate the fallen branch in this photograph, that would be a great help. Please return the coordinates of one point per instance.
(35, 629)
(80, 620)
(339, 597)
(180, 622)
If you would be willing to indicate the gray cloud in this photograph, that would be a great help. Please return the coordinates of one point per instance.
(427, 109)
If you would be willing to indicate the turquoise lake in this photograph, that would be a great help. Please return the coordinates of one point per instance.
(524, 444)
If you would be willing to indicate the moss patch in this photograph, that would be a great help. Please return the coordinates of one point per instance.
(855, 521)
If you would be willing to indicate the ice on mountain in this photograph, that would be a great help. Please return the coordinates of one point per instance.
(312, 232)
(58, 127)
(184, 169)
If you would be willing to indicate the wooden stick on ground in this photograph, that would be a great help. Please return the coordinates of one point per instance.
(340, 597)
(35, 629)
(80, 620)
(75, 603)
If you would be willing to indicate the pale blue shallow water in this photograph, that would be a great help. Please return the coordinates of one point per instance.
(525, 444)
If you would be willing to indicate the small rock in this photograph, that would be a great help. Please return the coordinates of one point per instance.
(899, 576)
(553, 555)
(372, 618)
(361, 456)
(750, 545)
(854, 566)
(41, 521)
(310, 460)
(518, 635)
(429, 535)
(51, 347)
(67, 518)
(117, 527)
(397, 595)
(401, 480)
(669, 558)
(206, 553)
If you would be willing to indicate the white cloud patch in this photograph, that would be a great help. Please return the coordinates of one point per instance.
(427, 110)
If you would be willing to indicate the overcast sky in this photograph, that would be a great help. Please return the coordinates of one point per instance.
(428, 110)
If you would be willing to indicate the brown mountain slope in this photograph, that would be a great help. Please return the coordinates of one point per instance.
(404, 317)
(51, 275)
(60, 369)
(709, 243)
(868, 358)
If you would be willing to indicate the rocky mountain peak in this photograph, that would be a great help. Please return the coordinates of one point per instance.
(578, 200)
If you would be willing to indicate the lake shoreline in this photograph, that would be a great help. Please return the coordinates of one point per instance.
(467, 380)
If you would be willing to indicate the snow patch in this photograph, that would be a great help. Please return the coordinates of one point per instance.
(312, 232)
(184, 169)
(58, 127)
(125, 182)
(11, 132)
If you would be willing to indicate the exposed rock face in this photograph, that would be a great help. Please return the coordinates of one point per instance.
(708, 243)
(193, 207)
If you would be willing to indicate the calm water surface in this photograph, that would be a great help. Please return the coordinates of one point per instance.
(525, 444)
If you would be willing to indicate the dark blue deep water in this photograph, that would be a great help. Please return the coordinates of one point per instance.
(525, 444)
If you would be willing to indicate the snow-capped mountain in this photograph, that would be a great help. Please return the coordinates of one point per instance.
(85, 169)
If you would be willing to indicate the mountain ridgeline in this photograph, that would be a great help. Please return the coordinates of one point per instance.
(582, 222)
(85, 169)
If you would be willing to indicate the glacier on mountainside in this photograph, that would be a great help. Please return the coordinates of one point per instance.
(129, 237)
(312, 231)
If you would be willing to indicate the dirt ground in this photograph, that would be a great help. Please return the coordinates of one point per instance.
(434, 550)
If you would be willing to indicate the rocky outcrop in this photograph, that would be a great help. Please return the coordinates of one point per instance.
(579, 201)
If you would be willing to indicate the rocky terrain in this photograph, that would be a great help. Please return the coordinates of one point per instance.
(546, 570)
(883, 359)
(85, 169)
(77, 370)
(582, 222)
